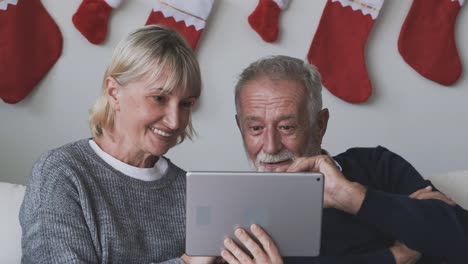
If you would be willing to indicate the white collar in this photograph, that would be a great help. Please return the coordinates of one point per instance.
(144, 174)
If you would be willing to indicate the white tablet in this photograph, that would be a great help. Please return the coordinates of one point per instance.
(287, 205)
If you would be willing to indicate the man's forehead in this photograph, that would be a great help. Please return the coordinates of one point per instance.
(267, 89)
(248, 118)
(256, 95)
(272, 82)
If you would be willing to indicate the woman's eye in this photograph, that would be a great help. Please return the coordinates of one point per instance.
(159, 98)
(188, 104)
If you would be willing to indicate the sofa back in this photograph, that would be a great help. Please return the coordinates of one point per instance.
(11, 197)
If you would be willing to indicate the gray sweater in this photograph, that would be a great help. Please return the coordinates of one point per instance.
(78, 209)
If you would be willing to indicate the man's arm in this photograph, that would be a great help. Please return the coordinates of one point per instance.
(431, 227)
(428, 226)
(397, 254)
(383, 256)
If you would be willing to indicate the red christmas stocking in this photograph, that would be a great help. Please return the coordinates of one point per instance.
(92, 17)
(339, 44)
(186, 17)
(30, 44)
(427, 40)
(264, 19)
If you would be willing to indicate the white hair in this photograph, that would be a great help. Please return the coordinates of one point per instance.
(285, 68)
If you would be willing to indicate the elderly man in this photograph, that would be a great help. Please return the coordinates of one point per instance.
(378, 207)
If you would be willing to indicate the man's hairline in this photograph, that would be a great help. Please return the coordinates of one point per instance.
(239, 89)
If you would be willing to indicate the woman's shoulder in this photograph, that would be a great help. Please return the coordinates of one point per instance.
(57, 162)
(55, 175)
(65, 153)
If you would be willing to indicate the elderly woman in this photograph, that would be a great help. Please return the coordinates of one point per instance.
(114, 198)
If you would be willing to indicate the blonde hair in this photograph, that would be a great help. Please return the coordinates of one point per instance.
(148, 52)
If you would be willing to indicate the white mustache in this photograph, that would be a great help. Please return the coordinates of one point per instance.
(282, 156)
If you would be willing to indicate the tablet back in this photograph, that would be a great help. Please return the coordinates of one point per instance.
(287, 205)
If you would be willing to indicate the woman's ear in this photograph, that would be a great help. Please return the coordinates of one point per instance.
(112, 91)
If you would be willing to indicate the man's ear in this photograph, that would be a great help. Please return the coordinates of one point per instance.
(322, 122)
(112, 91)
(238, 123)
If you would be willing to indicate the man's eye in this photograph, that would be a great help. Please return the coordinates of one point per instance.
(255, 128)
(287, 128)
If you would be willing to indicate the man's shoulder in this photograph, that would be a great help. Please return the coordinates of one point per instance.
(369, 157)
(363, 152)
(371, 166)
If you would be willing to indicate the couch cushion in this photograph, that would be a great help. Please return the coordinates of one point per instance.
(11, 197)
(453, 184)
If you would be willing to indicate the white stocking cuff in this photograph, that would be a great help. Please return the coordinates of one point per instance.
(460, 1)
(113, 3)
(281, 3)
(367, 7)
(4, 4)
(193, 13)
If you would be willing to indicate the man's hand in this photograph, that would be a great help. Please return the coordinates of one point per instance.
(403, 254)
(198, 260)
(266, 253)
(428, 193)
(339, 192)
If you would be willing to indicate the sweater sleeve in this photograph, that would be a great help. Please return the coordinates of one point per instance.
(430, 226)
(172, 261)
(51, 217)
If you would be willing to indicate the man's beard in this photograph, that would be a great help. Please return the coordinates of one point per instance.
(314, 148)
(262, 157)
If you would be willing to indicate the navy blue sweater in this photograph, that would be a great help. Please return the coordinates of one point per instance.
(437, 230)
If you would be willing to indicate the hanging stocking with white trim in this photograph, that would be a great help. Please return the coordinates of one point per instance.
(265, 18)
(427, 40)
(92, 17)
(338, 47)
(30, 44)
(186, 17)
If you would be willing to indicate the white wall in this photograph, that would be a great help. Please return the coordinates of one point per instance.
(424, 122)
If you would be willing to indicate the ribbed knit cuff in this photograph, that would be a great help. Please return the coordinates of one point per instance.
(373, 205)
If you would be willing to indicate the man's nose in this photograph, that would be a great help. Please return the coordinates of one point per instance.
(272, 141)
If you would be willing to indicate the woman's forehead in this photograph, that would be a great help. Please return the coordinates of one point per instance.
(171, 80)
(178, 91)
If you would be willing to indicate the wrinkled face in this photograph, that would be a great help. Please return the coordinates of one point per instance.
(148, 121)
(275, 123)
